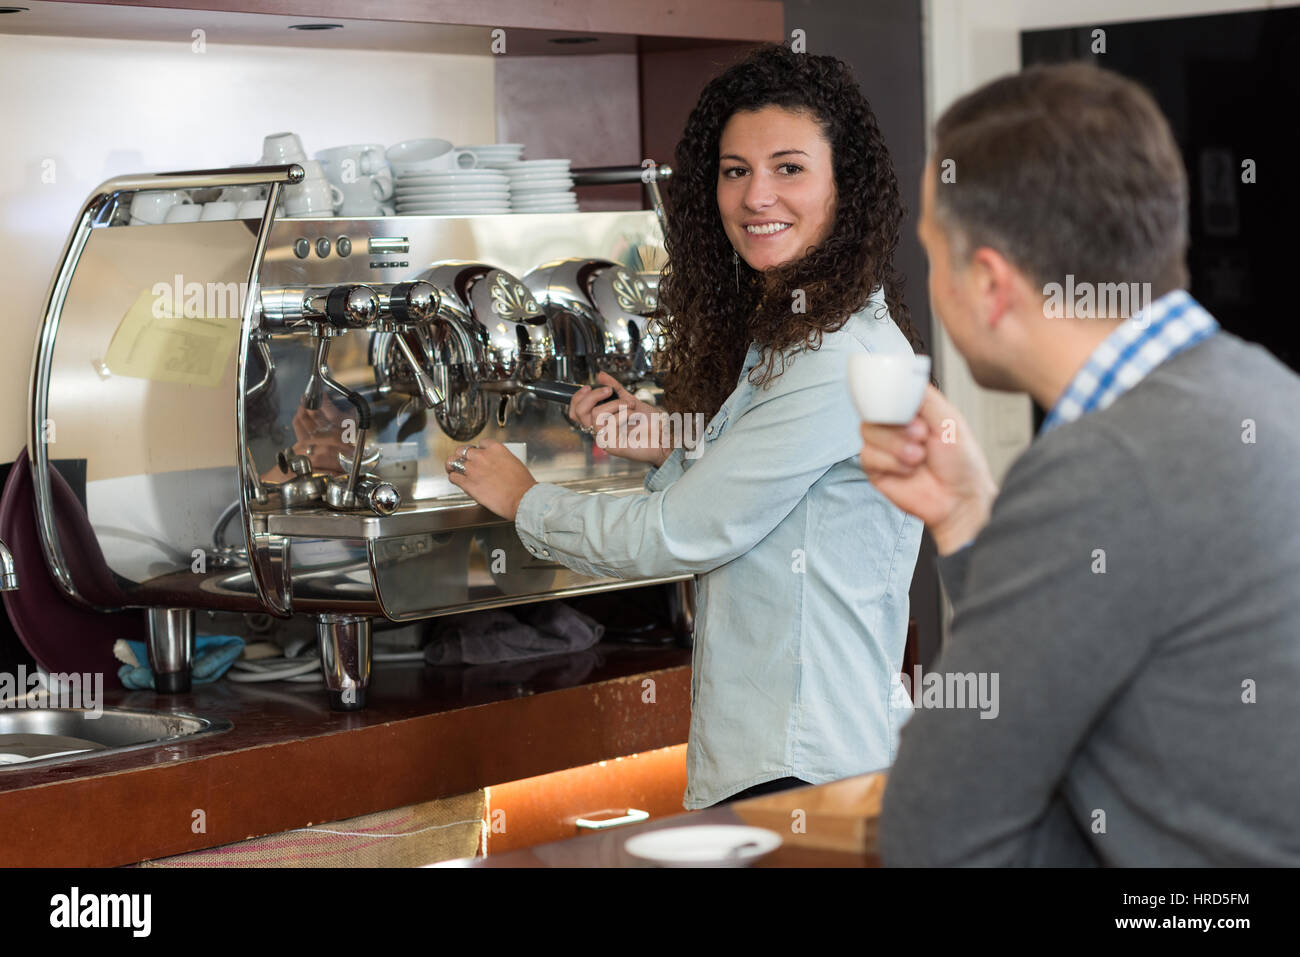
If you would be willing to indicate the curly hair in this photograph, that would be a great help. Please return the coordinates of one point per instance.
(707, 321)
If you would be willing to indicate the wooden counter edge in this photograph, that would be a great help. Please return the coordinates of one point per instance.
(129, 816)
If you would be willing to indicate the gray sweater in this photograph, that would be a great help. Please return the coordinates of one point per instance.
(1137, 593)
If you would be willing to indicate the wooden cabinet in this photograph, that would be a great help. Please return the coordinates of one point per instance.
(545, 808)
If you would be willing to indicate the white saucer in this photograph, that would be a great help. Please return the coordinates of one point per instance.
(403, 195)
(454, 179)
(704, 845)
(528, 166)
(453, 208)
(542, 186)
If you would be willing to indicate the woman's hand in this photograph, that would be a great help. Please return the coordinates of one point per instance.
(621, 423)
(932, 468)
(490, 474)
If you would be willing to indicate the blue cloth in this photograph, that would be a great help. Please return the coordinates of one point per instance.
(213, 656)
(803, 566)
(1141, 342)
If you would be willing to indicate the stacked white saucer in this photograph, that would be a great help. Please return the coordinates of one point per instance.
(495, 155)
(453, 193)
(541, 186)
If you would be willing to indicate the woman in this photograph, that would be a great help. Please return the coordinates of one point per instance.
(784, 218)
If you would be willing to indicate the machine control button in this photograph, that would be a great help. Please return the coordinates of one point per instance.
(301, 247)
(322, 247)
(343, 246)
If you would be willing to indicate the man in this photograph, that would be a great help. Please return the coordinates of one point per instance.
(1135, 584)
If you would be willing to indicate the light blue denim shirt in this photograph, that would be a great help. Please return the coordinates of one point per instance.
(803, 572)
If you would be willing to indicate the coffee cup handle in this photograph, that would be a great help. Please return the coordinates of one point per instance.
(381, 187)
(466, 159)
(185, 200)
(372, 161)
(336, 197)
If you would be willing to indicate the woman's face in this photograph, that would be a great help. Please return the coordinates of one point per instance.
(776, 185)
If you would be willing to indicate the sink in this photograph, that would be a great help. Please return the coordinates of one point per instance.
(68, 730)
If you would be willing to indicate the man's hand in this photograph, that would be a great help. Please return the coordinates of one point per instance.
(933, 469)
(621, 423)
(490, 474)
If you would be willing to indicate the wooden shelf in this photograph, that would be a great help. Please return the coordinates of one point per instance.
(417, 26)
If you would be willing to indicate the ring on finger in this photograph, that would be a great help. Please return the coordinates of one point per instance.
(457, 465)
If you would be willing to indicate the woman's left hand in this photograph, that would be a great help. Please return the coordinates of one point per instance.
(490, 474)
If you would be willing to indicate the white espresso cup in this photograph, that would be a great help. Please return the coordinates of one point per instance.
(315, 195)
(364, 197)
(242, 194)
(313, 198)
(251, 209)
(416, 157)
(152, 205)
(360, 206)
(313, 171)
(888, 389)
(183, 213)
(221, 209)
(347, 164)
(280, 149)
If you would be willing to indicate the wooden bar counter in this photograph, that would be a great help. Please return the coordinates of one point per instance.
(290, 762)
(826, 825)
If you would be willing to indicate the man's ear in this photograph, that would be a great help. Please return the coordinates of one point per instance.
(995, 284)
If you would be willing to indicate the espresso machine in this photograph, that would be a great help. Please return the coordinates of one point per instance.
(264, 407)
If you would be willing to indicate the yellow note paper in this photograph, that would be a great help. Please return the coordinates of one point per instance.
(166, 342)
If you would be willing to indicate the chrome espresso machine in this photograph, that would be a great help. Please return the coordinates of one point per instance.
(264, 407)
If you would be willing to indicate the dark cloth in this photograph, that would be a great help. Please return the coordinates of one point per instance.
(767, 787)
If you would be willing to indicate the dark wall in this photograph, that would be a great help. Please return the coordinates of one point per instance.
(1230, 86)
(881, 41)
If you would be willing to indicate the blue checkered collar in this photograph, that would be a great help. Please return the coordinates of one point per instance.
(1169, 325)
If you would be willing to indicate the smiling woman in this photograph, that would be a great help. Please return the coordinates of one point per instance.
(779, 206)
(780, 138)
(783, 220)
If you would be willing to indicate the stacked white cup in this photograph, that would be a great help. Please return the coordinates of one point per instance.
(315, 196)
(361, 173)
(151, 207)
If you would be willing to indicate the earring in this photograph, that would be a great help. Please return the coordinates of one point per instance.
(735, 261)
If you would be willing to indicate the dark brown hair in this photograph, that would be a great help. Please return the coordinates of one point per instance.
(1065, 169)
(709, 322)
